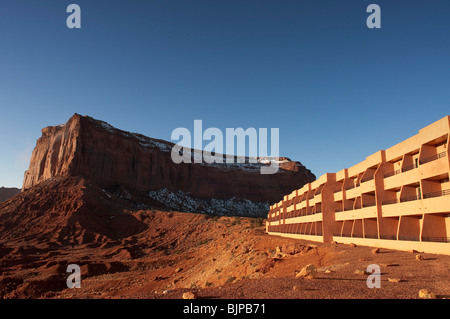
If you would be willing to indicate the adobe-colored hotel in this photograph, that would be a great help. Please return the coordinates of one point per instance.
(398, 198)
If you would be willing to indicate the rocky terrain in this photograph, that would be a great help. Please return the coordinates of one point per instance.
(186, 255)
(7, 193)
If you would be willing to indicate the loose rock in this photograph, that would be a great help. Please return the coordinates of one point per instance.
(425, 294)
(189, 295)
(309, 272)
(292, 248)
(394, 280)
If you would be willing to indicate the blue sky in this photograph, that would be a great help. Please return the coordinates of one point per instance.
(337, 90)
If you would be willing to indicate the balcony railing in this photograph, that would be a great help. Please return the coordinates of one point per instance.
(410, 198)
(404, 169)
(415, 238)
(415, 165)
(390, 237)
(390, 201)
(369, 204)
(398, 171)
(437, 194)
(432, 158)
(366, 179)
(437, 239)
(409, 167)
(409, 238)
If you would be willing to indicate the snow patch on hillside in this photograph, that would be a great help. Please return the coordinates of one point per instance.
(182, 201)
(197, 156)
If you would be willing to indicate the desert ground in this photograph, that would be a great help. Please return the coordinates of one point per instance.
(214, 257)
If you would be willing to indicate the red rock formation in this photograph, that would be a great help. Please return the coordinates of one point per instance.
(67, 210)
(94, 150)
(7, 193)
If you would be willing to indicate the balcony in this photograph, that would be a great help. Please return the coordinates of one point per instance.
(389, 201)
(407, 175)
(403, 169)
(432, 158)
(369, 211)
(338, 196)
(409, 167)
(410, 198)
(350, 187)
(353, 192)
(437, 194)
(437, 202)
(438, 168)
(402, 200)
(366, 179)
(367, 185)
(405, 206)
(371, 204)
(398, 171)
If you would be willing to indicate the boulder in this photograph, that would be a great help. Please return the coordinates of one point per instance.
(309, 271)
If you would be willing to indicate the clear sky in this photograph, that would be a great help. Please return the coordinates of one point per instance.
(337, 90)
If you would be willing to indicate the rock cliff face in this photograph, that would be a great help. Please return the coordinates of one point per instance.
(94, 150)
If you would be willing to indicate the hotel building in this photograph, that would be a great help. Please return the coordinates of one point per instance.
(398, 198)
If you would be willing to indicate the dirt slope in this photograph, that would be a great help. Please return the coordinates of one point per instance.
(215, 257)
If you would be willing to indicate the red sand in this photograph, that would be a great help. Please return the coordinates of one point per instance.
(215, 257)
